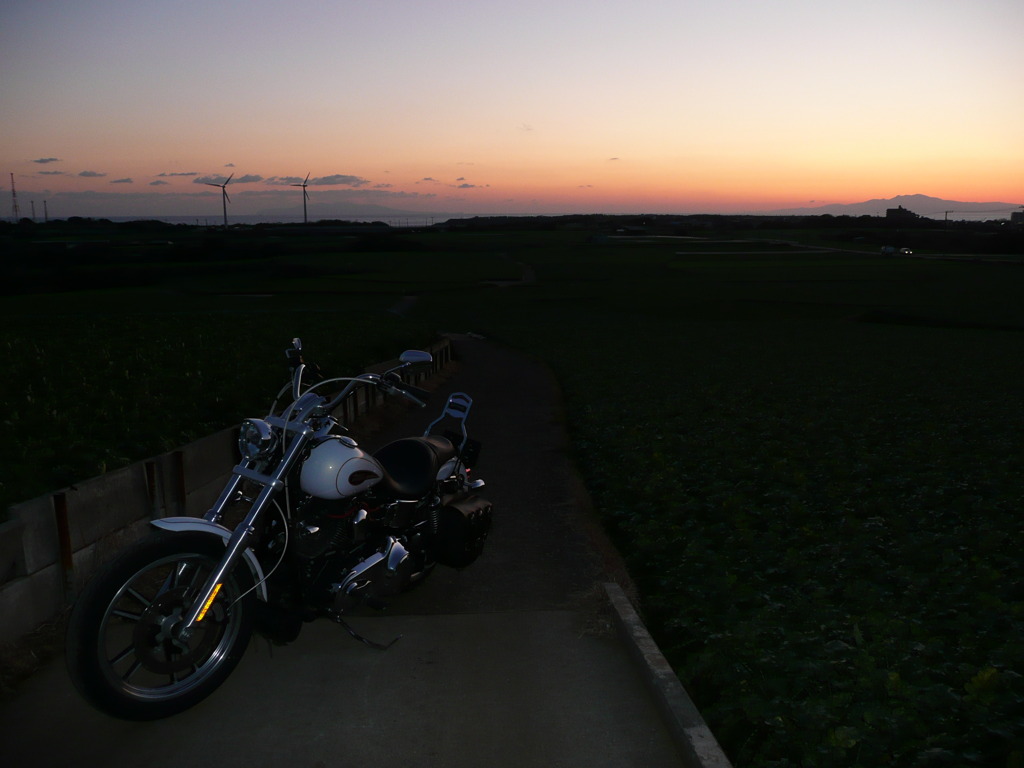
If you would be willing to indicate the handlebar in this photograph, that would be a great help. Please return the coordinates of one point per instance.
(389, 383)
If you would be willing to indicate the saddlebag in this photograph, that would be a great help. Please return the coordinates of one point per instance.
(460, 530)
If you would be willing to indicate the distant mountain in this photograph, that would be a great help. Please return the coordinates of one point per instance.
(922, 205)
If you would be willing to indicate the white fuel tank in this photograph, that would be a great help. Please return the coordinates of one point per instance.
(337, 468)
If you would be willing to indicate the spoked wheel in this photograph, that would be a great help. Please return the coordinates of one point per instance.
(124, 651)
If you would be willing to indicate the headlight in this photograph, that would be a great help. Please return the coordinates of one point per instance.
(256, 439)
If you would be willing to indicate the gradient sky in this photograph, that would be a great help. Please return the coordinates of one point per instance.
(121, 107)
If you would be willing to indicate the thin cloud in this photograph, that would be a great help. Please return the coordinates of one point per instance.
(364, 195)
(249, 178)
(134, 201)
(229, 165)
(339, 179)
(44, 160)
(126, 180)
(467, 185)
(210, 180)
(333, 180)
(51, 173)
(177, 173)
(92, 175)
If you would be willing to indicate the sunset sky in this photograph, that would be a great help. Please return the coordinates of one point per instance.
(124, 107)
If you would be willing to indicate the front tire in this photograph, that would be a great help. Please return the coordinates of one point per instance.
(123, 654)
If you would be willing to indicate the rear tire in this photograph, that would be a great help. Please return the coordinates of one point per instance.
(122, 653)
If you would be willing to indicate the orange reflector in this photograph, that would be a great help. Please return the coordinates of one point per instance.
(209, 602)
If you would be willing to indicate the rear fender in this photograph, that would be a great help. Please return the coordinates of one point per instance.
(182, 524)
(450, 468)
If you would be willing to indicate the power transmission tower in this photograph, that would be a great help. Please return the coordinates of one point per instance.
(14, 202)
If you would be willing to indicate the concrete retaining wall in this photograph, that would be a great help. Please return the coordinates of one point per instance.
(50, 545)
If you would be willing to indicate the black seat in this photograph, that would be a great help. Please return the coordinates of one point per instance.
(412, 463)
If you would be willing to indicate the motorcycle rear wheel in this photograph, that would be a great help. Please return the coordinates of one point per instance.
(123, 654)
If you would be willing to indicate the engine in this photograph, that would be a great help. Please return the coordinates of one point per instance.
(315, 536)
(390, 569)
(350, 556)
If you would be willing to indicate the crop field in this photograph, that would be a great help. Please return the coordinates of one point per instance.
(812, 463)
(133, 358)
(811, 459)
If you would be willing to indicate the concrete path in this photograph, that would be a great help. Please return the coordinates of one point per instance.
(512, 662)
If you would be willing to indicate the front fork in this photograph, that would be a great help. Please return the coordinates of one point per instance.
(244, 532)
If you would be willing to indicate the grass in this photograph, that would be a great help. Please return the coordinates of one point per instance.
(91, 393)
(811, 461)
(824, 535)
(811, 464)
(100, 377)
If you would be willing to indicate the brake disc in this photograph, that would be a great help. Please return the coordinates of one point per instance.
(156, 642)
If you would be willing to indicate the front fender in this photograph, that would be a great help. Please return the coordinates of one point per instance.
(181, 524)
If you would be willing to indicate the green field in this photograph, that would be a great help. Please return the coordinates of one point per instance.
(811, 459)
(813, 465)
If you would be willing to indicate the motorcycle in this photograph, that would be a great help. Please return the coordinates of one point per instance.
(308, 526)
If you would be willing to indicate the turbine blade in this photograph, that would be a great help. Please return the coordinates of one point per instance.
(229, 178)
(306, 181)
(226, 196)
(305, 193)
(211, 185)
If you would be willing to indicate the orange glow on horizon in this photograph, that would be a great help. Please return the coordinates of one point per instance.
(537, 108)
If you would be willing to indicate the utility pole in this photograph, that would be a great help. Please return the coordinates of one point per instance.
(14, 201)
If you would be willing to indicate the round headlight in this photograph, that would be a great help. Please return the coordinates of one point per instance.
(256, 439)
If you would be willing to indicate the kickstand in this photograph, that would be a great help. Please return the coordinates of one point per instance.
(360, 638)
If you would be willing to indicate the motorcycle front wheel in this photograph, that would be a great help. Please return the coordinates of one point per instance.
(124, 654)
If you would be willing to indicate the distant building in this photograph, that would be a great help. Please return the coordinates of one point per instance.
(900, 213)
(1017, 218)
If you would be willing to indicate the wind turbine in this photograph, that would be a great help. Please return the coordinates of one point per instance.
(305, 197)
(224, 196)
